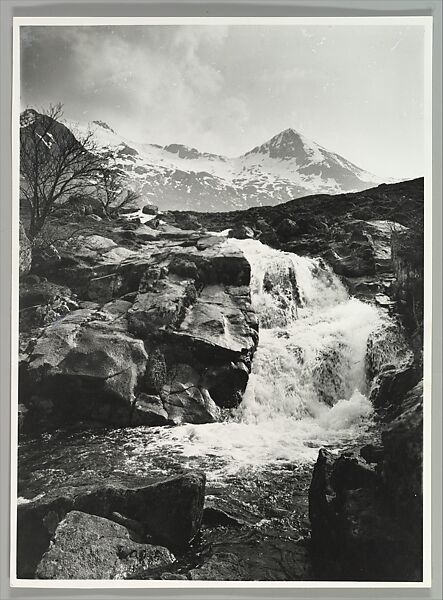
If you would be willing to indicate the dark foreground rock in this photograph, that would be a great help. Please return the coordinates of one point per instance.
(402, 467)
(169, 512)
(366, 515)
(89, 547)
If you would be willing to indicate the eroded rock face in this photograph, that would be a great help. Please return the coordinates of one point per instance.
(84, 366)
(89, 547)
(189, 306)
(391, 384)
(366, 506)
(163, 306)
(220, 323)
(402, 467)
(363, 248)
(42, 302)
(170, 512)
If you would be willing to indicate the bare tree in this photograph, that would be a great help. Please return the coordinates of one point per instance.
(53, 164)
(112, 191)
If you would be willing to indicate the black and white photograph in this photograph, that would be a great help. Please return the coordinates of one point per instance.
(222, 319)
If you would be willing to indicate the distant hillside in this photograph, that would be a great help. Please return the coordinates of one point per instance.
(317, 215)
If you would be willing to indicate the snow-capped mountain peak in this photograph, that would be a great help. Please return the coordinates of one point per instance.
(286, 144)
(180, 177)
(291, 145)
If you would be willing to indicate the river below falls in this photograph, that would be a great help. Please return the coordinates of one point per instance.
(268, 495)
(308, 389)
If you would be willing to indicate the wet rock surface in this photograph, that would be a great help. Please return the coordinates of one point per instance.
(222, 566)
(89, 547)
(367, 505)
(187, 299)
(169, 512)
(85, 365)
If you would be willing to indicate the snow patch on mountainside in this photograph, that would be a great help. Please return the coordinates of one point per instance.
(180, 177)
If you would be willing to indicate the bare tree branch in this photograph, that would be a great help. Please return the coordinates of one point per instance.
(53, 164)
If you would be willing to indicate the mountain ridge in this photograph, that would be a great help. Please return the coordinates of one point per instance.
(180, 177)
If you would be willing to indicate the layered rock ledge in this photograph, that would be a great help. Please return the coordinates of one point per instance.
(157, 333)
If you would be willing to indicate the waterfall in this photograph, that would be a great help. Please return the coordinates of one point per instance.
(308, 384)
(313, 339)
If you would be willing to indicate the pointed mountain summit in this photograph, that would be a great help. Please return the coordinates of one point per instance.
(284, 145)
(180, 177)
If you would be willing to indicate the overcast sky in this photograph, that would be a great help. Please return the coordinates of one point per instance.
(357, 90)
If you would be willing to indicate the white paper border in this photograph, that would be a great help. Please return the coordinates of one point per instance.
(427, 23)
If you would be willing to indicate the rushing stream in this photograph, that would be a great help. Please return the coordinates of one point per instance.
(307, 390)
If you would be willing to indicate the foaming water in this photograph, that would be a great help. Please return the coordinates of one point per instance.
(308, 384)
(307, 390)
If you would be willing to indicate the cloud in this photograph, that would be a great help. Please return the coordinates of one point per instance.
(227, 89)
(161, 84)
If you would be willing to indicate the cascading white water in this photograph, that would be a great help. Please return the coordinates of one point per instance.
(313, 339)
(308, 386)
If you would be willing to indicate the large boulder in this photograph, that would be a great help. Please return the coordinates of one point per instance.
(197, 305)
(287, 230)
(169, 512)
(241, 232)
(183, 399)
(89, 547)
(150, 209)
(352, 530)
(83, 366)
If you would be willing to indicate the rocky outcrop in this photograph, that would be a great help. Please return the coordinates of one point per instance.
(287, 230)
(391, 385)
(89, 547)
(408, 286)
(42, 302)
(83, 366)
(366, 505)
(150, 209)
(242, 232)
(25, 252)
(186, 301)
(402, 467)
(169, 513)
